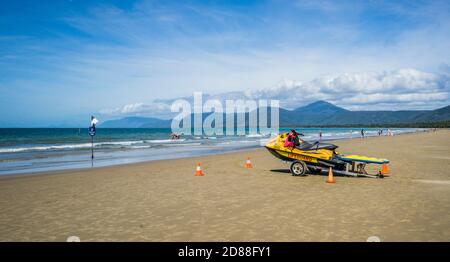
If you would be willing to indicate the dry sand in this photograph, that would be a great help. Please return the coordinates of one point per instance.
(163, 201)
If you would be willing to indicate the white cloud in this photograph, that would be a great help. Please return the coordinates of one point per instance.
(139, 109)
(402, 89)
(387, 90)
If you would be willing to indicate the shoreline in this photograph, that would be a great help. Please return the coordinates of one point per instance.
(111, 162)
(65, 171)
(69, 170)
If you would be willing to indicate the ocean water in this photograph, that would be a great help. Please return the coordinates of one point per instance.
(24, 150)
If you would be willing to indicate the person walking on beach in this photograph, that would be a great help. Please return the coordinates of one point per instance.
(362, 133)
(320, 136)
(390, 133)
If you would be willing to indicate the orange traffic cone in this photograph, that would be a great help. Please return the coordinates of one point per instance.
(330, 176)
(199, 172)
(248, 164)
(384, 170)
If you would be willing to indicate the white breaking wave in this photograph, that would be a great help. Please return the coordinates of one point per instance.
(43, 148)
(160, 141)
(132, 144)
(183, 144)
(255, 136)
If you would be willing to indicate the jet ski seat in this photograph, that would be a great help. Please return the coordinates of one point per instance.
(316, 145)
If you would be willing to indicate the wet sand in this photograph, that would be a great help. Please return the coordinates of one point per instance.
(164, 201)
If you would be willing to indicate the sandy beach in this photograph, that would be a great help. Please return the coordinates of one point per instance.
(164, 201)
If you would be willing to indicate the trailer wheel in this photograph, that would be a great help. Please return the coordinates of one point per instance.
(298, 168)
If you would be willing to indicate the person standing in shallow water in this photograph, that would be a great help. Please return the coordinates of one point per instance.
(362, 133)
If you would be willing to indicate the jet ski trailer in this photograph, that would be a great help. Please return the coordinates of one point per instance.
(320, 157)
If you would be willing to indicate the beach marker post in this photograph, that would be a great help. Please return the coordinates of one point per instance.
(330, 179)
(198, 171)
(92, 130)
(92, 134)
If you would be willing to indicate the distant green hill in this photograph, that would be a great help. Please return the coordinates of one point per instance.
(321, 113)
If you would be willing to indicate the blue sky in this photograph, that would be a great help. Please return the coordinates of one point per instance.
(60, 61)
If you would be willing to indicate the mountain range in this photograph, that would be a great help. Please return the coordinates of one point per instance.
(320, 113)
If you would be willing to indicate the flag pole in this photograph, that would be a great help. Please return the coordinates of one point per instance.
(92, 147)
(92, 130)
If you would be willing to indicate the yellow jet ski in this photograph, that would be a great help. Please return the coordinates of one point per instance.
(319, 157)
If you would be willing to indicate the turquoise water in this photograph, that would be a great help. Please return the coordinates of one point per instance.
(28, 137)
(42, 149)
